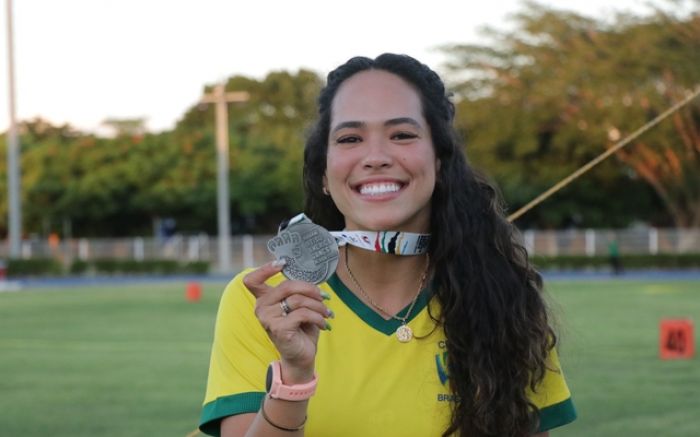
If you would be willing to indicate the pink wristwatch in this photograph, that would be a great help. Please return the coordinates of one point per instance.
(296, 392)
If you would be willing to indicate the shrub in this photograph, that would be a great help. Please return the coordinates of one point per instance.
(33, 267)
(78, 267)
(645, 261)
(111, 266)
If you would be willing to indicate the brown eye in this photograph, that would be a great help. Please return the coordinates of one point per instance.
(404, 136)
(349, 139)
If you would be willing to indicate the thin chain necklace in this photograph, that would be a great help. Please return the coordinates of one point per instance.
(403, 333)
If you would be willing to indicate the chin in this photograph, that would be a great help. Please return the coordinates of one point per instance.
(391, 225)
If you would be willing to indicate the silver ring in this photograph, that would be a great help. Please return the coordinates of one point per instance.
(285, 307)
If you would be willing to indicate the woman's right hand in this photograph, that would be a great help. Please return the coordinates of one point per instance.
(294, 333)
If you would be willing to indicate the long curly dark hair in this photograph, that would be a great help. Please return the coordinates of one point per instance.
(492, 311)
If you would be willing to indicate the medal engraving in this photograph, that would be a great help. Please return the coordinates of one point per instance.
(310, 251)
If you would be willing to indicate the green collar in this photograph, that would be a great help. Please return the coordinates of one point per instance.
(368, 315)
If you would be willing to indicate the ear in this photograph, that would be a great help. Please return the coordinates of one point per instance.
(325, 185)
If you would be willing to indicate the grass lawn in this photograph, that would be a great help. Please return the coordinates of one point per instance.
(132, 360)
(108, 361)
(610, 343)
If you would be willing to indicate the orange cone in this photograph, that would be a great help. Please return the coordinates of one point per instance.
(193, 292)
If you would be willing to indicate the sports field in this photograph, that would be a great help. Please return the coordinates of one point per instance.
(131, 360)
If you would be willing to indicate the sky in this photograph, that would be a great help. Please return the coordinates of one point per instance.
(83, 61)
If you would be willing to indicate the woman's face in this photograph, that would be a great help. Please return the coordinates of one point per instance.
(381, 166)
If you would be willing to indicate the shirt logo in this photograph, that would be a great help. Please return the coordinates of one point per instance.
(441, 364)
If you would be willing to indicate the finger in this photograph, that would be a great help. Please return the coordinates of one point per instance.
(270, 313)
(302, 316)
(255, 280)
(297, 301)
(288, 288)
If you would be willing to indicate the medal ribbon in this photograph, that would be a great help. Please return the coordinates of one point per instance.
(394, 242)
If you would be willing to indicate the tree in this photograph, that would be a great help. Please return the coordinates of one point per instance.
(267, 139)
(134, 127)
(560, 88)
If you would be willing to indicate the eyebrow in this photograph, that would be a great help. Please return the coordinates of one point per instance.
(390, 122)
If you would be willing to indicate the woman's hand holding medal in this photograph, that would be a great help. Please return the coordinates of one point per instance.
(292, 313)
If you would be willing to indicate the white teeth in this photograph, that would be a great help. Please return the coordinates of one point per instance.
(382, 188)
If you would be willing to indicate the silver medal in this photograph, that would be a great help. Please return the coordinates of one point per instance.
(310, 251)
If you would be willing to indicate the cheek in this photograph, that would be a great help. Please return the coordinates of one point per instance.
(334, 168)
(426, 165)
(341, 162)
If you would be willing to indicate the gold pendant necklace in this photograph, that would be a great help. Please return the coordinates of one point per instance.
(403, 333)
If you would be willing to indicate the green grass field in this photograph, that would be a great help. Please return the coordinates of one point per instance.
(132, 360)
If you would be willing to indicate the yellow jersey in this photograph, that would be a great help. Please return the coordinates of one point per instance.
(369, 383)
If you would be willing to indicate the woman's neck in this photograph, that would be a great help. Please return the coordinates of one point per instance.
(390, 281)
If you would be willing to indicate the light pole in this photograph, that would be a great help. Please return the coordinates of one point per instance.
(221, 99)
(14, 213)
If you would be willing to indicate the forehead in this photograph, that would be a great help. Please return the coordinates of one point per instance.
(375, 95)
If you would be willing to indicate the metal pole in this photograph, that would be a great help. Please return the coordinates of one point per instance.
(220, 98)
(13, 179)
(222, 192)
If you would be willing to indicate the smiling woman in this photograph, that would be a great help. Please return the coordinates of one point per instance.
(439, 323)
(380, 166)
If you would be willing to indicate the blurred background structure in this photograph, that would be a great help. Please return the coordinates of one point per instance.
(535, 100)
(251, 250)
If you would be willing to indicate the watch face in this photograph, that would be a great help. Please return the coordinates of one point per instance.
(268, 379)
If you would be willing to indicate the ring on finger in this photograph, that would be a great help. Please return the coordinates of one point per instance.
(285, 307)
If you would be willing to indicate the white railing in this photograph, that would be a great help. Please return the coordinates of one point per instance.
(248, 250)
(593, 242)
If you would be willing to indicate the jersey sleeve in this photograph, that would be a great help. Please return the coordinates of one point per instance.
(552, 397)
(240, 355)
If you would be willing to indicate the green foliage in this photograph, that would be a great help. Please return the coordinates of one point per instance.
(78, 267)
(631, 262)
(546, 98)
(113, 266)
(33, 267)
(196, 267)
(267, 140)
(41, 267)
(119, 186)
(534, 104)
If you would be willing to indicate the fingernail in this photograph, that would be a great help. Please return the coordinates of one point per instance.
(279, 262)
(328, 326)
(330, 313)
(325, 295)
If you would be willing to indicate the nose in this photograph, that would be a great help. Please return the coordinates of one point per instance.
(378, 155)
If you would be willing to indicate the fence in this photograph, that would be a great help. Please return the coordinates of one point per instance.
(592, 242)
(248, 250)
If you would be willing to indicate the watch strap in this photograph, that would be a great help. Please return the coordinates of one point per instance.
(294, 392)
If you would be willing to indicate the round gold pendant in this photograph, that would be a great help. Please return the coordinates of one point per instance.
(404, 334)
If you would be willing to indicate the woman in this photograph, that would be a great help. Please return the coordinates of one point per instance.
(452, 341)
